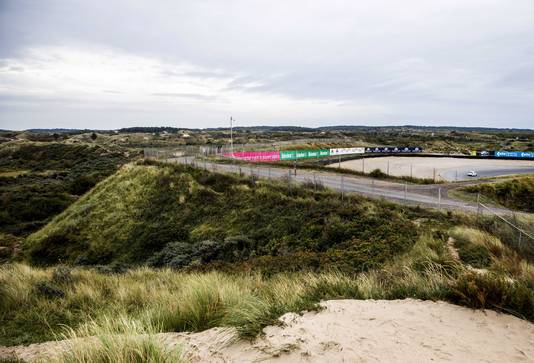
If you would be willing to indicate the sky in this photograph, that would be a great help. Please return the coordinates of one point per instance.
(106, 64)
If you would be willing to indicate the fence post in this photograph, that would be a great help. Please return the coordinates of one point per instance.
(342, 186)
(478, 205)
(439, 198)
(289, 180)
(405, 191)
(314, 183)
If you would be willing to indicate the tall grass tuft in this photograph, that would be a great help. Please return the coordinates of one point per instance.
(135, 344)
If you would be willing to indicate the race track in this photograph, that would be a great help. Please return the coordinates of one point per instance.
(439, 168)
(429, 195)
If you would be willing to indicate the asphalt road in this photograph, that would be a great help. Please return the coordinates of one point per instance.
(485, 173)
(429, 195)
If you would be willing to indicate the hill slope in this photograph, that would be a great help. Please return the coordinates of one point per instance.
(185, 217)
(516, 193)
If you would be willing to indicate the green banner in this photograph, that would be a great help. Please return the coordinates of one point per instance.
(304, 154)
(287, 155)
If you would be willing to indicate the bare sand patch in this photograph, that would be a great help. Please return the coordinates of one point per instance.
(368, 331)
(442, 168)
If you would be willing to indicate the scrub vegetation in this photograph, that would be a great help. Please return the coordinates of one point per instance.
(182, 217)
(38, 180)
(143, 248)
(516, 193)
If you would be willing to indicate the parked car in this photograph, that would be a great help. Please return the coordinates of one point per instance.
(472, 173)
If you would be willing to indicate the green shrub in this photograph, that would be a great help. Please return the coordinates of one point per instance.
(377, 173)
(475, 255)
(491, 291)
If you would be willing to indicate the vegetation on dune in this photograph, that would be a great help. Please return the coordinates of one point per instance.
(39, 180)
(516, 193)
(183, 217)
(169, 248)
(37, 303)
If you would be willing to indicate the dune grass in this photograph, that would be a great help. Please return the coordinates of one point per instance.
(135, 343)
(40, 304)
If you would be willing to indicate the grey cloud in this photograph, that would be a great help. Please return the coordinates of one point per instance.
(450, 61)
(191, 96)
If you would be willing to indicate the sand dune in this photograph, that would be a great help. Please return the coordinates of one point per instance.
(365, 331)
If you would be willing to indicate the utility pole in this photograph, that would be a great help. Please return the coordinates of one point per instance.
(388, 168)
(232, 136)
(439, 198)
(363, 165)
(405, 191)
(411, 170)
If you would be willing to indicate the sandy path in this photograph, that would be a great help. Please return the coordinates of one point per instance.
(366, 331)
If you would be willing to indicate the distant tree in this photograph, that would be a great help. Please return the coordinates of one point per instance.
(56, 136)
(93, 136)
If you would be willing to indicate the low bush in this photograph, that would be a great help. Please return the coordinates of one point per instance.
(475, 255)
(516, 193)
(491, 291)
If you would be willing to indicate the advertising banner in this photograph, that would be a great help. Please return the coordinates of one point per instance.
(515, 154)
(347, 151)
(287, 155)
(255, 155)
(394, 149)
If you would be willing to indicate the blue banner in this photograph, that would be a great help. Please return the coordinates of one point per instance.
(514, 154)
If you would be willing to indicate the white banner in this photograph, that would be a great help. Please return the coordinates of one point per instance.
(347, 150)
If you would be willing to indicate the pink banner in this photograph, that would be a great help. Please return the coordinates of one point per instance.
(255, 155)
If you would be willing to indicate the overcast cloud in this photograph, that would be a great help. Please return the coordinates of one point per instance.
(110, 64)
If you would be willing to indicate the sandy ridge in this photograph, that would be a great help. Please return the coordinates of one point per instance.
(359, 331)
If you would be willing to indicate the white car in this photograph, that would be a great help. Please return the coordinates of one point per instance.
(472, 173)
